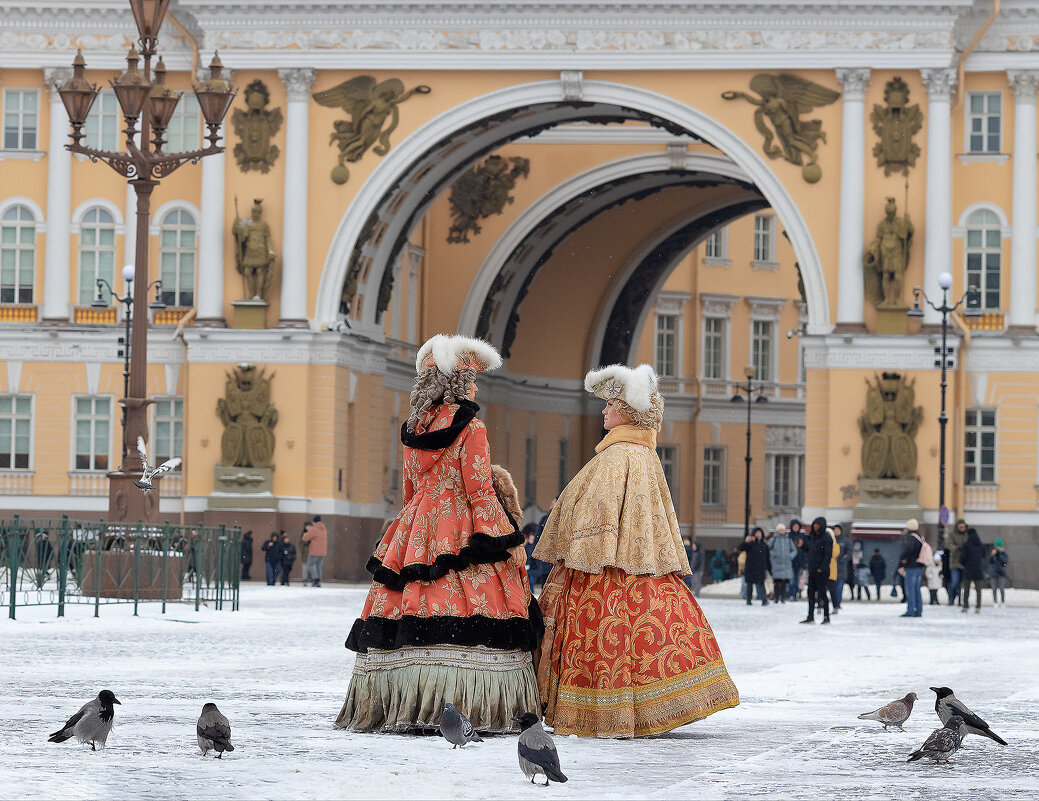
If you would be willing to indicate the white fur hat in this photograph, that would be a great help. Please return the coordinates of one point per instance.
(452, 352)
(635, 387)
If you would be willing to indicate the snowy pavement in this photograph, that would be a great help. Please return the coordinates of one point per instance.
(279, 671)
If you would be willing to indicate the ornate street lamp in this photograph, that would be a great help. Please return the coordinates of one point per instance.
(751, 390)
(944, 360)
(143, 165)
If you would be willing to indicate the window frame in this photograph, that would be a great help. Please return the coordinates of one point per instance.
(674, 369)
(771, 378)
(720, 483)
(723, 343)
(993, 225)
(14, 417)
(94, 417)
(157, 457)
(21, 114)
(765, 255)
(968, 124)
(720, 238)
(99, 114)
(97, 250)
(179, 123)
(19, 247)
(978, 429)
(174, 296)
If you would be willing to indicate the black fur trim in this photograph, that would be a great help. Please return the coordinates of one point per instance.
(438, 440)
(388, 635)
(481, 550)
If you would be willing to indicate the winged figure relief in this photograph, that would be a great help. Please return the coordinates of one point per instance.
(373, 116)
(781, 100)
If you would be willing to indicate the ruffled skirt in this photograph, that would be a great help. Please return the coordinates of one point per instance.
(626, 655)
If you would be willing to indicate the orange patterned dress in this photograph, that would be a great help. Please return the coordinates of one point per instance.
(449, 615)
(627, 651)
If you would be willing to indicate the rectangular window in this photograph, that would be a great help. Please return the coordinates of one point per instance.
(979, 452)
(21, 118)
(530, 472)
(761, 349)
(983, 121)
(716, 246)
(984, 250)
(714, 347)
(783, 481)
(168, 440)
(713, 471)
(101, 130)
(185, 130)
(92, 421)
(764, 241)
(564, 464)
(669, 462)
(666, 358)
(15, 428)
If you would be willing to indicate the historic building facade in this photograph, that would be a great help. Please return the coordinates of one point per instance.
(701, 186)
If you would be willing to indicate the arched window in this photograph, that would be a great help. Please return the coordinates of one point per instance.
(983, 255)
(17, 255)
(96, 253)
(177, 254)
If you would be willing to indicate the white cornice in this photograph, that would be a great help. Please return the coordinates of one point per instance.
(80, 344)
(870, 352)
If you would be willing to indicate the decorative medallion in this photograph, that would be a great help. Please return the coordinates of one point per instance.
(256, 127)
(888, 425)
(483, 191)
(896, 125)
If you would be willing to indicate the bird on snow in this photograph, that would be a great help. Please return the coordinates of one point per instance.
(149, 472)
(942, 743)
(537, 752)
(92, 724)
(456, 727)
(213, 731)
(947, 705)
(894, 714)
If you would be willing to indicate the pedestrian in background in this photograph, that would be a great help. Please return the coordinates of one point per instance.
(719, 567)
(972, 554)
(696, 564)
(247, 554)
(911, 568)
(843, 562)
(530, 541)
(862, 581)
(997, 570)
(877, 569)
(800, 565)
(303, 551)
(782, 552)
(757, 564)
(288, 558)
(317, 537)
(933, 577)
(831, 578)
(272, 557)
(954, 542)
(820, 552)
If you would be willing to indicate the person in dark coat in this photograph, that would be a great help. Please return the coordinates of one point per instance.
(877, 569)
(843, 563)
(694, 553)
(247, 554)
(820, 551)
(288, 557)
(973, 556)
(719, 567)
(758, 564)
(272, 549)
(997, 572)
(911, 570)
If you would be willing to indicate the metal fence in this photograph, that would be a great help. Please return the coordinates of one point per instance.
(63, 562)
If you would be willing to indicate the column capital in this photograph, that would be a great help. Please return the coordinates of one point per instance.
(1024, 84)
(940, 82)
(298, 82)
(855, 82)
(56, 76)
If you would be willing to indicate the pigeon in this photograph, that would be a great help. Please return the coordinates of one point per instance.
(537, 752)
(213, 731)
(92, 724)
(149, 473)
(947, 705)
(894, 714)
(456, 727)
(942, 743)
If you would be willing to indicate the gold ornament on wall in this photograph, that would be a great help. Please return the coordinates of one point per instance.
(886, 258)
(253, 252)
(483, 191)
(888, 426)
(256, 126)
(249, 418)
(372, 107)
(782, 100)
(896, 125)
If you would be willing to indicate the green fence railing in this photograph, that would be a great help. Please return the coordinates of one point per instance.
(62, 562)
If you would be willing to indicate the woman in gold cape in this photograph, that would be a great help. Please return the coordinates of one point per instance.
(627, 651)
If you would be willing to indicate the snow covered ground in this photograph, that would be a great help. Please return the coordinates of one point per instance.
(279, 671)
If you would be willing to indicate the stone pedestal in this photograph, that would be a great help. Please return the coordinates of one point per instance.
(245, 488)
(893, 320)
(250, 313)
(888, 499)
(129, 503)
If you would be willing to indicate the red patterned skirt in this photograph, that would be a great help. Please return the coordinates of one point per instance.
(627, 656)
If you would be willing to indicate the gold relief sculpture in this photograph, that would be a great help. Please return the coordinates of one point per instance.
(896, 125)
(887, 257)
(483, 191)
(256, 127)
(249, 418)
(888, 426)
(370, 105)
(782, 100)
(253, 252)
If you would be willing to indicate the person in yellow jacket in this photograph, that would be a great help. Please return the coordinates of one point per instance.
(831, 584)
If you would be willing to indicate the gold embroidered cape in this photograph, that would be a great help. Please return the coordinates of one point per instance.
(617, 512)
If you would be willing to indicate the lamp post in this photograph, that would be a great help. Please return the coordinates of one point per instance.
(154, 103)
(944, 361)
(751, 390)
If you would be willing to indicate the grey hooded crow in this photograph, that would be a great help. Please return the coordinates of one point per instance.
(456, 727)
(213, 731)
(894, 714)
(537, 752)
(92, 724)
(947, 705)
(942, 743)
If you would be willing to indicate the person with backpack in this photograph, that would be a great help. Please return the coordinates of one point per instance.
(915, 554)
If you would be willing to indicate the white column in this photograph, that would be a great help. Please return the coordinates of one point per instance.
(938, 222)
(1023, 212)
(850, 287)
(294, 247)
(130, 215)
(59, 205)
(210, 297)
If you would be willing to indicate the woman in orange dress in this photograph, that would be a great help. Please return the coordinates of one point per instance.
(449, 615)
(627, 651)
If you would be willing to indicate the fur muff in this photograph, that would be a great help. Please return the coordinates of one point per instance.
(447, 351)
(508, 495)
(635, 387)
